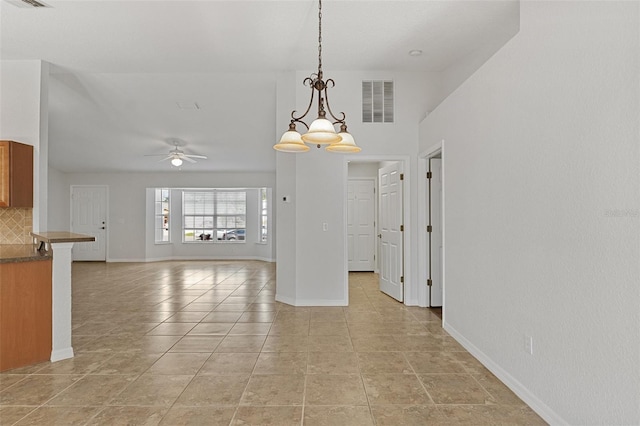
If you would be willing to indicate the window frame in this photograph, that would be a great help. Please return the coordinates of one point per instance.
(162, 217)
(263, 216)
(210, 217)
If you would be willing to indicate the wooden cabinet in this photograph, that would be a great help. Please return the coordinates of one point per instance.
(25, 313)
(16, 174)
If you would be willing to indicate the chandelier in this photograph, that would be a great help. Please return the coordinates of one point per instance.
(322, 131)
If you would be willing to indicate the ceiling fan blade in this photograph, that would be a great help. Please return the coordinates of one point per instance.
(177, 154)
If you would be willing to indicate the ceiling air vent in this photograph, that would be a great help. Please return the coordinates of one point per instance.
(27, 3)
(377, 101)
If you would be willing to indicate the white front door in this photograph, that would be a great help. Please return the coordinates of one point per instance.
(391, 238)
(89, 217)
(360, 224)
(435, 236)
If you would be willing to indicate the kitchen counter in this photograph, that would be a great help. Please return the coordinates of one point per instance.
(61, 237)
(10, 253)
(45, 239)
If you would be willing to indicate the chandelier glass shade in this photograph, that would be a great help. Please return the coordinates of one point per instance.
(291, 141)
(322, 130)
(347, 144)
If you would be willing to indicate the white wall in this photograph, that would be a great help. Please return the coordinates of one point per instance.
(286, 263)
(321, 255)
(58, 199)
(363, 170)
(24, 118)
(542, 202)
(126, 221)
(455, 74)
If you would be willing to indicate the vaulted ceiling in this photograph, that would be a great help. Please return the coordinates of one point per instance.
(120, 68)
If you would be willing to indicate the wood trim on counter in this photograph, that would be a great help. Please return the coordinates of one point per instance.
(25, 313)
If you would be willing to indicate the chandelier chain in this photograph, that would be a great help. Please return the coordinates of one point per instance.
(322, 130)
(320, 36)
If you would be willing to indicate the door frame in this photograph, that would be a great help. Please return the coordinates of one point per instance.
(410, 274)
(423, 218)
(106, 213)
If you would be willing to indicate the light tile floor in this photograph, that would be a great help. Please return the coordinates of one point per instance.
(204, 343)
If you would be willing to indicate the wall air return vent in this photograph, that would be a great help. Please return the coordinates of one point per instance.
(377, 101)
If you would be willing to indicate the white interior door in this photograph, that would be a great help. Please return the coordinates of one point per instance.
(89, 217)
(435, 236)
(391, 238)
(361, 224)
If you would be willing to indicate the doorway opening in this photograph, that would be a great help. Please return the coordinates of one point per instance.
(377, 222)
(361, 224)
(434, 230)
(431, 205)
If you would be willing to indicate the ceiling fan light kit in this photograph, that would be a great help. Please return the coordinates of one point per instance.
(177, 156)
(322, 131)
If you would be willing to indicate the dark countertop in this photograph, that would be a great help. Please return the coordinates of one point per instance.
(11, 253)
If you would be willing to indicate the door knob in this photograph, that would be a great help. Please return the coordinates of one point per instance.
(379, 235)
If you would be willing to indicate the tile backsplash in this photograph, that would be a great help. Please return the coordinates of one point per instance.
(15, 225)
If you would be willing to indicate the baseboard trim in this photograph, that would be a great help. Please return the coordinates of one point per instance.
(128, 260)
(310, 302)
(285, 299)
(170, 258)
(542, 409)
(411, 302)
(60, 354)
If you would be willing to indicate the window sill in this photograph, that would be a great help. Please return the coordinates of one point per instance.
(214, 242)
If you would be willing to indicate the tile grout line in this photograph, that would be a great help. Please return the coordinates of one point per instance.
(363, 291)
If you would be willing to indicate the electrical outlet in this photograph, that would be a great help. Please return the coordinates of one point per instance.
(325, 226)
(528, 344)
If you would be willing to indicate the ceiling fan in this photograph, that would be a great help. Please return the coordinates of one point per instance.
(177, 156)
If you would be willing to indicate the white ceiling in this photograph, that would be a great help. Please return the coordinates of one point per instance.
(119, 67)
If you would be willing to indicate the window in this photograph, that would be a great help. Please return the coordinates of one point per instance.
(263, 215)
(214, 215)
(162, 208)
